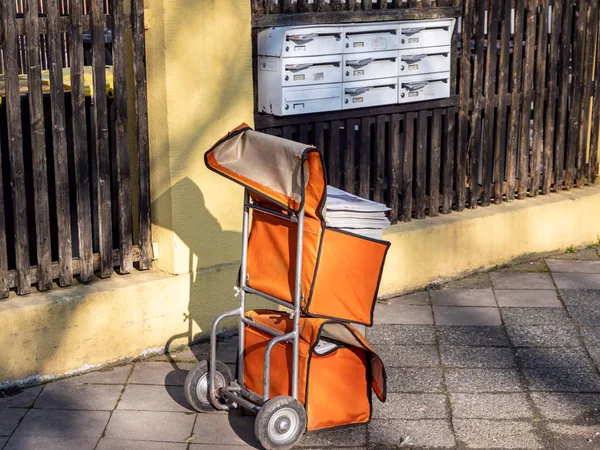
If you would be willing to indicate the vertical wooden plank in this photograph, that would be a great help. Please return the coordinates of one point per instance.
(463, 111)
(38, 150)
(435, 163)
(588, 85)
(383, 4)
(349, 164)
(394, 166)
(549, 128)
(527, 99)
(333, 156)
(288, 130)
(575, 158)
(379, 163)
(320, 136)
(595, 141)
(286, 6)
(364, 161)
(59, 144)
(367, 5)
(540, 94)
(80, 144)
(3, 250)
(336, 5)
(122, 147)
(449, 137)
(515, 107)
(563, 99)
(407, 166)
(321, 5)
(421, 166)
(15, 146)
(351, 5)
(478, 98)
(141, 113)
(303, 133)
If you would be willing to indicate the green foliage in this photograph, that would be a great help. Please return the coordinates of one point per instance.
(571, 249)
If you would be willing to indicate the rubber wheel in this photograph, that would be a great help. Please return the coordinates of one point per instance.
(280, 423)
(196, 385)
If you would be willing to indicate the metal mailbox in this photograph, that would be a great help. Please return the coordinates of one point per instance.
(419, 88)
(424, 60)
(366, 66)
(302, 100)
(425, 34)
(300, 41)
(370, 38)
(298, 71)
(360, 94)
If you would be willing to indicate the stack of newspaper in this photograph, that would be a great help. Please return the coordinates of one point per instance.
(355, 214)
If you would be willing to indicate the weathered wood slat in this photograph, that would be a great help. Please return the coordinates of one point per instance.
(394, 166)
(101, 140)
(549, 128)
(288, 132)
(595, 140)
(407, 166)
(421, 166)
(379, 163)
(4, 286)
(435, 163)
(59, 145)
(80, 145)
(563, 102)
(463, 114)
(448, 136)
(333, 157)
(38, 149)
(528, 98)
(349, 163)
(286, 6)
(15, 147)
(373, 15)
(367, 5)
(303, 133)
(336, 5)
(122, 145)
(364, 160)
(63, 24)
(142, 140)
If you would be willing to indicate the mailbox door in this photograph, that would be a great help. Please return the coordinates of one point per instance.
(361, 94)
(425, 60)
(312, 41)
(425, 34)
(311, 99)
(367, 66)
(423, 87)
(370, 38)
(312, 70)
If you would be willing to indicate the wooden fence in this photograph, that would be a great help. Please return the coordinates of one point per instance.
(521, 119)
(66, 205)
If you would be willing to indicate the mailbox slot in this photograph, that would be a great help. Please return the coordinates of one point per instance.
(314, 70)
(303, 100)
(423, 87)
(361, 94)
(300, 41)
(367, 66)
(370, 38)
(425, 34)
(425, 60)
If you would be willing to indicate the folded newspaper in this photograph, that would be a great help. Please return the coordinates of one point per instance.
(354, 214)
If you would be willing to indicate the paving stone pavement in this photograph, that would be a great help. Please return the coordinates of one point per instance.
(503, 360)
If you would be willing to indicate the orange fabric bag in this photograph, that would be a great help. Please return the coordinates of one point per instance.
(335, 387)
(341, 271)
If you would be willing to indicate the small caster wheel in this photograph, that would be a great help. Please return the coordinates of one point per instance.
(280, 423)
(196, 385)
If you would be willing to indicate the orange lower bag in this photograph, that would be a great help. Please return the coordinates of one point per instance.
(335, 386)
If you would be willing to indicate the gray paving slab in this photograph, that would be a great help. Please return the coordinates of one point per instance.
(343, 437)
(231, 447)
(151, 425)
(532, 298)
(408, 355)
(587, 254)
(123, 444)
(21, 399)
(577, 280)
(490, 406)
(9, 419)
(543, 336)
(160, 373)
(3, 441)
(401, 335)
(91, 397)
(226, 352)
(565, 406)
(139, 397)
(415, 380)
(585, 315)
(574, 437)
(225, 429)
(539, 265)
(463, 297)
(487, 434)
(591, 336)
(515, 280)
(482, 380)
(414, 299)
(477, 281)
(535, 316)
(112, 375)
(580, 297)
(595, 354)
(466, 316)
(400, 314)
(62, 424)
(411, 433)
(478, 357)
(473, 336)
(411, 406)
(561, 265)
(562, 379)
(536, 358)
(53, 443)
